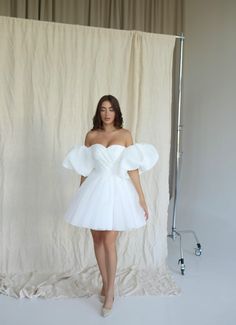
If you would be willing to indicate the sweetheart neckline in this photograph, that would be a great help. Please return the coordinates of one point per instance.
(120, 145)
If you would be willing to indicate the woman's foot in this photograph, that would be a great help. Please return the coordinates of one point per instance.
(109, 299)
(107, 306)
(102, 294)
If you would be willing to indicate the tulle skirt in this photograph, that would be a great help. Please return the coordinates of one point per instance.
(105, 201)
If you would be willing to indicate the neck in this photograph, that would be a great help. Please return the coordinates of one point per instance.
(109, 128)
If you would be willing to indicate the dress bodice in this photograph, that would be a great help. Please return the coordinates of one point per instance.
(115, 159)
(106, 158)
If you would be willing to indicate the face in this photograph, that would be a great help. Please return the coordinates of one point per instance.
(107, 112)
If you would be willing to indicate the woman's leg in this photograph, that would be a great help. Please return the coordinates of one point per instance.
(100, 256)
(109, 240)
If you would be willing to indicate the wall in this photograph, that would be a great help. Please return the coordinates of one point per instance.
(207, 193)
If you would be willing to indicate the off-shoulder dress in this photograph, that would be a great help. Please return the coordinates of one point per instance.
(108, 199)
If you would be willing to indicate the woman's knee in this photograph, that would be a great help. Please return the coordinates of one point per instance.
(109, 239)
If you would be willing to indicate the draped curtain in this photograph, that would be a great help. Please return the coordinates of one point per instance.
(156, 16)
(51, 77)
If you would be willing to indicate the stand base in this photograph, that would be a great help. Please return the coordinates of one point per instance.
(198, 249)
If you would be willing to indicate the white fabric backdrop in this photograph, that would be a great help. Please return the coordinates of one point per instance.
(52, 76)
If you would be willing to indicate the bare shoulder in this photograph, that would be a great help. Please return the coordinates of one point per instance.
(89, 137)
(128, 137)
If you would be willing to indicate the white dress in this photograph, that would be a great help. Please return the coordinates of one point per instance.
(108, 199)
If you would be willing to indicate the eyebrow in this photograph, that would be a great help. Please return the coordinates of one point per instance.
(105, 107)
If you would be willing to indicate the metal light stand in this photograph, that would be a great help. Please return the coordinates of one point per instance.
(174, 233)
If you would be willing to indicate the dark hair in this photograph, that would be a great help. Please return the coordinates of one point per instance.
(118, 121)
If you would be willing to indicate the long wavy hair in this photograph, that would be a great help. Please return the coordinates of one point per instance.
(118, 121)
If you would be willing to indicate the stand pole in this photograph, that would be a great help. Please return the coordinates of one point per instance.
(174, 232)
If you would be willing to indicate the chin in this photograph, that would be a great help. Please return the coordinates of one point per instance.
(108, 122)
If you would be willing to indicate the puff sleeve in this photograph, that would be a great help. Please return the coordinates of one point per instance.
(79, 158)
(139, 155)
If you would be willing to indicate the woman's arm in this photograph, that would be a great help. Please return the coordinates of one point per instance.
(134, 175)
(87, 144)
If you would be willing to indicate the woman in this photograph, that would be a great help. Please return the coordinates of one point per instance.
(108, 150)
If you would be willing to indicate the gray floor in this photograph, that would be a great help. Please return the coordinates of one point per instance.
(208, 292)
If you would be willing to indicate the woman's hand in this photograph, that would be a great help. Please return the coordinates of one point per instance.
(82, 179)
(144, 206)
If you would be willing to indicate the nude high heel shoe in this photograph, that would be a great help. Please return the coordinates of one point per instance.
(106, 311)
